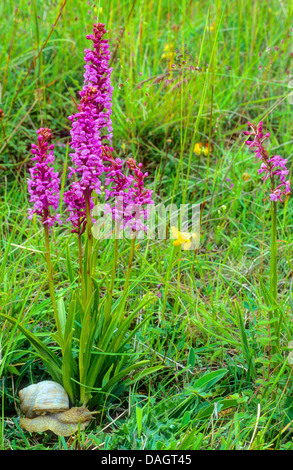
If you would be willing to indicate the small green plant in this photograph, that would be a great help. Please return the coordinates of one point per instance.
(272, 167)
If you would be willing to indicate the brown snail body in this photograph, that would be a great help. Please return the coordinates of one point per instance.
(46, 407)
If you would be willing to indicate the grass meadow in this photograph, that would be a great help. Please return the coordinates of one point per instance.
(187, 76)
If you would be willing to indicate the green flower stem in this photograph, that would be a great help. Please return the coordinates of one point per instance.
(51, 285)
(89, 247)
(127, 278)
(131, 255)
(273, 273)
(113, 275)
(81, 269)
(167, 283)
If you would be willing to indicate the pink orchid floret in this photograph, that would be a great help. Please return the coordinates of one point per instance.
(91, 127)
(74, 198)
(131, 199)
(116, 179)
(43, 186)
(91, 139)
(138, 199)
(272, 167)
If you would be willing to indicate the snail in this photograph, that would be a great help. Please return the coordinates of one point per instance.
(46, 407)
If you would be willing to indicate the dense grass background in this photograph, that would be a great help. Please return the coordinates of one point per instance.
(184, 73)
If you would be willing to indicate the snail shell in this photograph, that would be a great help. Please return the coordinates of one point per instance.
(43, 397)
(50, 400)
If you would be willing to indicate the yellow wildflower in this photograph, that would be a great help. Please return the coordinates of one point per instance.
(246, 177)
(96, 10)
(205, 150)
(168, 51)
(199, 149)
(182, 238)
(168, 54)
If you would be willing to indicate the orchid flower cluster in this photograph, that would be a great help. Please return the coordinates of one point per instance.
(43, 186)
(272, 167)
(128, 190)
(91, 140)
(88, 124)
